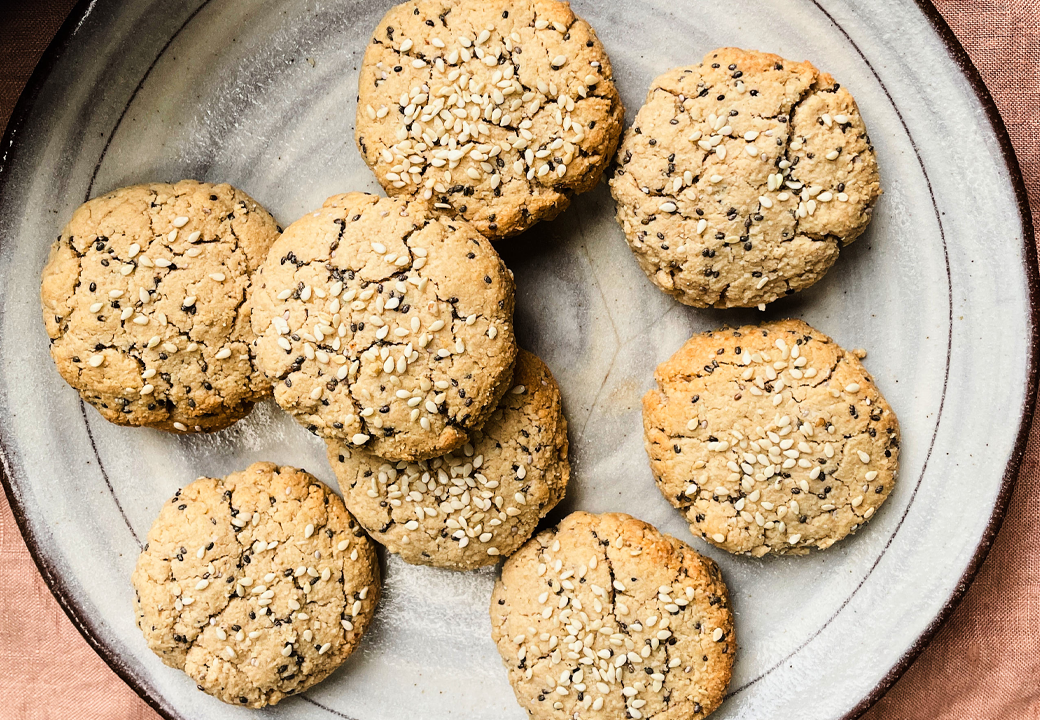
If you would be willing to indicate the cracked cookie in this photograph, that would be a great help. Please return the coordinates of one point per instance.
(604, 616)
(499, 111)
(770, 438)
(257, 585)
(383, 323)
(742, 178)
(143, 298)
(470, 507)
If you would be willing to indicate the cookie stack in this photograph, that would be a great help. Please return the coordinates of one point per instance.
(384, 325)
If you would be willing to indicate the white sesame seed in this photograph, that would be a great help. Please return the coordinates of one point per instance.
(864, 458)
(359, 439)
(180, 221)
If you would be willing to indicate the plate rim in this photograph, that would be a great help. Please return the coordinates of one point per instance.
(86, 626)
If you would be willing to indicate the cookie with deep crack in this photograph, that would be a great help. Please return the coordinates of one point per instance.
(770, 438)
(604, 616)
(385, 324)
(742, 178)
(499, 111)
(144, 298)
(257, 585)
(473, 506)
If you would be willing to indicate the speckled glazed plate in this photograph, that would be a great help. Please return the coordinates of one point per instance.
(261, 93)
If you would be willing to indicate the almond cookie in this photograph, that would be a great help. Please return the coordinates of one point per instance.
(257, 585)
(770, 438)
(604, 616)
(143, 298)
(742, 178)
(384, 324)
(500, 111)
(479, 503)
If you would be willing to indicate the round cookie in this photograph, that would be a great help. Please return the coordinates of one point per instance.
(498, 110)
(742, 178)
(606, 617)
(258, 585)
(143, 298)
(470, 507)
(385, 324)
(770, 438)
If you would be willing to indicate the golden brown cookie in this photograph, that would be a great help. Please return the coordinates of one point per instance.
(742, 178)
(499, 111)
(384, 324)
(770, 438)
(606, 617)
(143, 298)
(257, 585)
(479, 503)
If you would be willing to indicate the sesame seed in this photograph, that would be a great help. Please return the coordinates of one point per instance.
(180, 221)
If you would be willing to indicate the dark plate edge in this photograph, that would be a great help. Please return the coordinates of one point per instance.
(956, 51)
(960, 56)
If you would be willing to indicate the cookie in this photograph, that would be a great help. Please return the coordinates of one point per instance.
(143, 298)
(257, 585)
(742, 178)
(605, 617)
(770, 438)
(385, 325)
(499, 111)
(478, 504)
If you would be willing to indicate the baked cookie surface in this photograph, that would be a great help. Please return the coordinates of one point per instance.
(498, 110)
(386, 325)
(257, 585)
(606, 617)
(144, 299)
(742, 177)
(770, 438)
(480, 503)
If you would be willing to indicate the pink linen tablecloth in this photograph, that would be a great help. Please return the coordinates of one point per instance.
(984, 663)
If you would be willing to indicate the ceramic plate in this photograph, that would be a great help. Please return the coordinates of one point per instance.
(261, 94)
